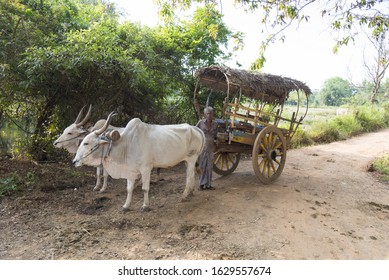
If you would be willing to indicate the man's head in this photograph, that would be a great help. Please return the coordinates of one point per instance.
(208, 113)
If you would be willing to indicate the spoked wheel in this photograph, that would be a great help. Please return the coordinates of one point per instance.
(269, 154)
(225, 163)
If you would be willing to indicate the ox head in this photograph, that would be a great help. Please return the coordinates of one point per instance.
(95, 146)
(73, 134)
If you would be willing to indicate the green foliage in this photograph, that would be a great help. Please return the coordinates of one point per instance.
(322, 132)
(347, 126)
(370, 119)
(336, 91)
(362, 93)
(279, 15)
(82, 55)
(199, 40)
(381, 165)
(15, 182)
(10, 185)
(362, 119)
(36, 26)
(301, 139)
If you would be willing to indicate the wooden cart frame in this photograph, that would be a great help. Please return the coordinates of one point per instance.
(252, 119)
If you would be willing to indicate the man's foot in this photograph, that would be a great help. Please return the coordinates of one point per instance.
(205, 188)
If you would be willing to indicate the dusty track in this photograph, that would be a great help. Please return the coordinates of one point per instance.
(324, 206)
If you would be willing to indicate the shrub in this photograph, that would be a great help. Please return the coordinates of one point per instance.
(370, 119)
(300, 139)
(347, 126)
(10, 184)
(321, 132)
(381, 165)
(363, 119)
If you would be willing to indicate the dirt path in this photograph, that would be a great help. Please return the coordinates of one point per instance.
(324, 206)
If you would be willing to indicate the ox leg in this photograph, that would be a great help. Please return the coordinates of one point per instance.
(105, 180)
(146, 187)
(190, 179)
(130, 189)
(98, 177)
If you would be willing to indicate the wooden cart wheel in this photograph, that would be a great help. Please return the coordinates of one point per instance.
(225, 163)
(269, 154)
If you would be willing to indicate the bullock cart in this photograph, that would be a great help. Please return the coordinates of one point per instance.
(253, 117)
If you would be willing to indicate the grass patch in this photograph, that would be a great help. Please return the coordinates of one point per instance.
(370, 119)
(360, 120)
(10, 184)
(300, 139)
(381, 165)
(14, 183)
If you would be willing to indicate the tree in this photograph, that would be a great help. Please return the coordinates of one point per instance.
(34, 25)
(336, 91)
(137, 70)
(376, 72)
(198, 41)
(280, 14)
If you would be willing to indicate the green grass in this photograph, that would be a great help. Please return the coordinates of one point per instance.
(381, 165)
(323, 126)
(13, 183)
(10, 184)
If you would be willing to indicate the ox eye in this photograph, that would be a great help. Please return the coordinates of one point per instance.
(69, 133)
(86, 144)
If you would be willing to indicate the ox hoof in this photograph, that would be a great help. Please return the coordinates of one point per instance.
(125, 209)
(145, 209)
(187, 197)
(102, 191)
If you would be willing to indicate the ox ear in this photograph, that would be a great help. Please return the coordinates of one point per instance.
(114, 135)
(82, 129)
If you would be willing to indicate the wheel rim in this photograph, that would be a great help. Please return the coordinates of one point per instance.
(269, 154)
(225, 163)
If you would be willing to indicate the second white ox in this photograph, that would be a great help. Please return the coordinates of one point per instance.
(140, 147)
(73, 135)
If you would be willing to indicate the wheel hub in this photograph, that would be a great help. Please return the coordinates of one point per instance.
(271, 155)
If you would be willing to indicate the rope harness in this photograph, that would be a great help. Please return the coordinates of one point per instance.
(96, 147)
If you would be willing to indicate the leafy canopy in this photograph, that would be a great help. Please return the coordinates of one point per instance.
(344, 17)
(336, 91)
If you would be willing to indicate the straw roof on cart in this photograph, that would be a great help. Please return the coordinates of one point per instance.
(265, 87)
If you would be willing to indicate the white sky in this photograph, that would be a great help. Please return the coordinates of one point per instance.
(305, 55)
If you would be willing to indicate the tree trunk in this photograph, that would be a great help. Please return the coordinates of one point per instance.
(39, 148)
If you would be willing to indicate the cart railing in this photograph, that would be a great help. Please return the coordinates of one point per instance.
(253, 119)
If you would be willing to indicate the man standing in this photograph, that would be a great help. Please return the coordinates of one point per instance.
(209, 127)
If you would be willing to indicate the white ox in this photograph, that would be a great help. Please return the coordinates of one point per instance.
(73, 135)
(140, 147)
(342, 111)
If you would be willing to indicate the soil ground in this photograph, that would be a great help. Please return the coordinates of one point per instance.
(325, 205)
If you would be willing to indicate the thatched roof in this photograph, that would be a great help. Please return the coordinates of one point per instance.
(265, 87)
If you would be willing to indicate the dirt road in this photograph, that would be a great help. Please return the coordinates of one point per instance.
(325, 205)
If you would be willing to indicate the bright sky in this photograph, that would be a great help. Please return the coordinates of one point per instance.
(305, 55)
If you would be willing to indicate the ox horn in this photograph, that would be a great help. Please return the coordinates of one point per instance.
(81, 123)
(107, 122)
(79, 115)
